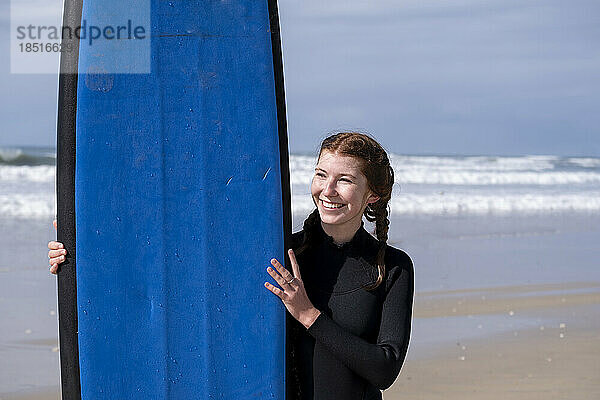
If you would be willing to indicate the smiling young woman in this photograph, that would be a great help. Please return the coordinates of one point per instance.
(349, 293)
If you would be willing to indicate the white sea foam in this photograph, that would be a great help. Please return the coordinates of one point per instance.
(477, 204)
(456, 203)
(10, 154)
(35, 205)
(480, 163)
(433, 176)
(478, 184)
(425, 185)
(527, 170)
(26, 173)
(301, 169)
(585, 162)
(430, 170)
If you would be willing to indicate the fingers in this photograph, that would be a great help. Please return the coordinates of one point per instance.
(57, 260)
(54, 269)
(284, 272)
(57, 253)
(278, 278)
(295, 266)
(282, 276)
(53, 245)
(275, 290)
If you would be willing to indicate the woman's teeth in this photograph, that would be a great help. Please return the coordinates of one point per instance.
(331, 206)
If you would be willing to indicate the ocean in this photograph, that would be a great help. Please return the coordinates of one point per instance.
(425, 185)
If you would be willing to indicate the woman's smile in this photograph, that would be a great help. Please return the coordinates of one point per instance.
(331, 205)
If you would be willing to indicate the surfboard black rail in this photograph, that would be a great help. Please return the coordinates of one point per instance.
(284, 159)
(65, 195)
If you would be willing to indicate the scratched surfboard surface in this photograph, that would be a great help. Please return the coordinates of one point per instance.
(181, 197)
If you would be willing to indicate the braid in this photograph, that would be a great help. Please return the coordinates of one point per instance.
(382, 224)
(378, 212)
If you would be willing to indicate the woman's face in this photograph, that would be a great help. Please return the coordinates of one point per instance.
(340, 190)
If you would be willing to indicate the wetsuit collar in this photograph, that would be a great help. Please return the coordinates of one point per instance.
(355, 242)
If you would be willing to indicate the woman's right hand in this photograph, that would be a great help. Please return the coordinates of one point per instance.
(56, 254)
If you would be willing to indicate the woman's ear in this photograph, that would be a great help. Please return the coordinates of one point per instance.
(373, 198)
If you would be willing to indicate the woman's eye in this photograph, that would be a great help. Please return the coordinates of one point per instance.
(320, 174)
(345, 180)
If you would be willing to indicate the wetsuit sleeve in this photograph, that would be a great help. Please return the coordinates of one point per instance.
(379, 363)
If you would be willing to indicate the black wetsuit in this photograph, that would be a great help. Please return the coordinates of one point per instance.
(357, 346)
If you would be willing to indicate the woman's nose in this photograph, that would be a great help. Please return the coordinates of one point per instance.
(329, 189)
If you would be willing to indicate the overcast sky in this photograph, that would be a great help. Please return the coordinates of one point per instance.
(505, 77)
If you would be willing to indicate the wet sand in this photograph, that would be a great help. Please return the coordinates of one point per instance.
(531, 365)
(505, 300)
(505, 308)
(558, 358)
(553, 360)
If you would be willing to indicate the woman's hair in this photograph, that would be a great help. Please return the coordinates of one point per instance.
(375, 165)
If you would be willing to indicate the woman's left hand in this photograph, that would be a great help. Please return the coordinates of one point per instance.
(292, 292)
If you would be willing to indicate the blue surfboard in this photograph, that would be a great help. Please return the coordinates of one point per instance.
(173, 195)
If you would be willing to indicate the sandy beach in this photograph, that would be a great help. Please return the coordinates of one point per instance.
(483, 327)
(559, 358)
(556, 360)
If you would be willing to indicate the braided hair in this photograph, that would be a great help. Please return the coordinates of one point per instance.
(375, 165)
